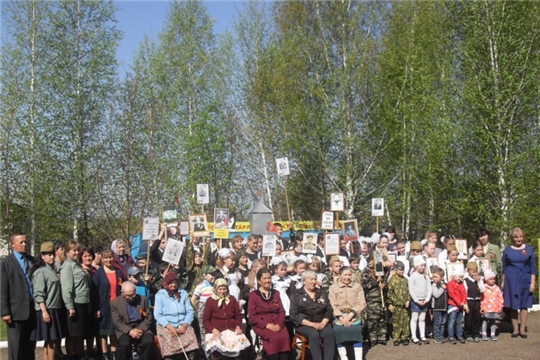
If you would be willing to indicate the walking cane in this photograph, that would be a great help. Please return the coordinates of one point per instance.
(182, 346)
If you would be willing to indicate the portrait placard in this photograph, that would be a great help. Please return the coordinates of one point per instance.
(150, 228)
(289, 258)
(377, 207)
(451, 268)
(331, 243)
(309, 243)
(337, 201)
(350, 230)
(173, 251)
(327, 220)
(432, 263)
(269, 245)
(221, 218)
(203, 195)
(461, 246)
(184, 227)
(379, 266)
(198, 225)
(483, 265)
(282, 165)
(170, 215)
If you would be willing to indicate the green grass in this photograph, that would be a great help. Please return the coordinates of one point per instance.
(3, 331)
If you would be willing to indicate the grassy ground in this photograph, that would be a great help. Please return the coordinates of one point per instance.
(3, 331)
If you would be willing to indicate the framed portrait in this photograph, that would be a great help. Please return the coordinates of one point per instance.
(377, 207)
(483, 265)
(337, 202)
(221, 218)
(198, 225)
(392, 256)
(170, 215)
(289, 258)
(327, 220)
(173, 251)
(379, 265)
(183, 226)
(309, 243)
(331, 244)
(203, 195)
(451, 269)
(432, 263)
(269, 245)
(282, 165)
(350, 230)
(461, 246)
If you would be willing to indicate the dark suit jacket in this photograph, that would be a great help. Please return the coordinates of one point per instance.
(100, 293)
(121, 319)
(15, 297)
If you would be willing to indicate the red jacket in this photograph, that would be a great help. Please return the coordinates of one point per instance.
(226, 317)
(457, 294)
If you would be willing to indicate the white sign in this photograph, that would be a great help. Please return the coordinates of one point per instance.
(269, 245)
(203, 196)
(173, 251)
(377, 207)
(327, 220)
(150, 228)
(282, 165)
(331, 243)
(184, 227)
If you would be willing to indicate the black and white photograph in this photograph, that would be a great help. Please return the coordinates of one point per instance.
(203, 195)
(221, 218)
(309, 243)
(282, 165)
(432, 263)
(327, 220)
(350, 230)
(199, 225)
(337, 202)
(331, 244)
(377, 207)
(483, 265)
(461, 246)
(269, 245)
(173, 251)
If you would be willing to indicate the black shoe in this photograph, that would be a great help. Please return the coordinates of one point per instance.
(416, 342)
(405, 342)
(381, 342)
(396, 343)
(523, 336)
(515, 335)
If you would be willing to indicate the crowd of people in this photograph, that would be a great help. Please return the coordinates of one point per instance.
(223, 298)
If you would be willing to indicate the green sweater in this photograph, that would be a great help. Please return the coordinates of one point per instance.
(75, 284)
(47, 288)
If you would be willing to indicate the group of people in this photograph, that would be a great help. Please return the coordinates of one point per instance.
(223, 298)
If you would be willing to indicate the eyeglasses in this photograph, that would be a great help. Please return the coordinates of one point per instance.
(129, 296)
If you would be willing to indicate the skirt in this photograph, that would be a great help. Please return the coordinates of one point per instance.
(229, 344)
(108, 330)
(54, 330)
(417, 308)
(80, 324)
(172, 345)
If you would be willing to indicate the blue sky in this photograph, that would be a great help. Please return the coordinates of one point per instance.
(139, 17)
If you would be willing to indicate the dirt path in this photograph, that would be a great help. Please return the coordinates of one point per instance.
(505, 348)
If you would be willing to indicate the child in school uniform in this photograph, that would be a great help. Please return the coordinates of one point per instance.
(475, 287)
(491, 305)
(420, 291)
(439, 305)
(457, 305)
(398, 304)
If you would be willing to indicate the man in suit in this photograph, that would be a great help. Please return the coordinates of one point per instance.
(132, 322)
(279, 231)
(17, 301)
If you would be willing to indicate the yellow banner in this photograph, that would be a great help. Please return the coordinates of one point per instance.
(244, 226)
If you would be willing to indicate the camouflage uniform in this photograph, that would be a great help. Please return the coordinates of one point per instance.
(376, 312)
(398, 295)
(357, 276)
(328, 280)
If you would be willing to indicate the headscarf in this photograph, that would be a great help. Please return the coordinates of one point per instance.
(215, 295)
(170, 277)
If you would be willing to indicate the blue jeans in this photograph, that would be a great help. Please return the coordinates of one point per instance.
(439, 320)
(455, 322)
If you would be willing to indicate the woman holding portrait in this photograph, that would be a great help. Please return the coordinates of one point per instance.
(312, 314)
(267, 316)
(348, 303)
(519, 280)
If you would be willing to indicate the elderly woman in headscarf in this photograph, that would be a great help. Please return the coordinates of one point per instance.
(174, 314)
(223, 323)
(122, 260)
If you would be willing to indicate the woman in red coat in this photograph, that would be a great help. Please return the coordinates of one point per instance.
(267, 316)
(223, 323)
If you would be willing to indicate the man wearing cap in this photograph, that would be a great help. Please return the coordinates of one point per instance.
(398, 303)
(134, 275)
(17, 300)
